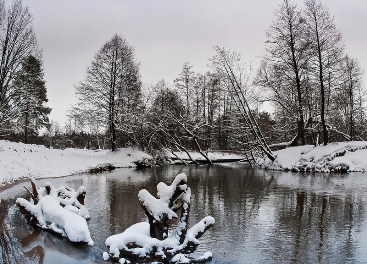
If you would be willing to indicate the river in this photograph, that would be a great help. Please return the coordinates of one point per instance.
(261, 216)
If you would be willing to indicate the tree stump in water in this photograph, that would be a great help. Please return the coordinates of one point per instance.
(151, 241)
(58, 210)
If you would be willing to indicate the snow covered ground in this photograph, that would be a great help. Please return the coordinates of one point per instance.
(350, 156)
(18, 160)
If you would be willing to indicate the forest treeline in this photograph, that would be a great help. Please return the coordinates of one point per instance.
(313, 91)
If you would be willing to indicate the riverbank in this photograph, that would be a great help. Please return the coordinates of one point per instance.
(19, 161)
(334, 157)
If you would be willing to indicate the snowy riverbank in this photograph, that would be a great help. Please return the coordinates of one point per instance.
(18, 160)
(338, 156)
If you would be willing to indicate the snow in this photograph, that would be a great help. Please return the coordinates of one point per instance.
(139, 234)
(350, 156)
(180, 258)
(18, 160)
(206, 255)
(63, 221)
(165, 191)
(74, 226)
(158, 207)
(199, 228)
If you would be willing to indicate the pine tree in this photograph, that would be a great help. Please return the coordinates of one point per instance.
(30, 98)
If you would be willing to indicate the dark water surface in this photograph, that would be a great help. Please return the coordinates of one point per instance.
(261, 216)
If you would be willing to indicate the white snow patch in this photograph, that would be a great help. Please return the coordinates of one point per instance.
(166, 191)
(180, 258)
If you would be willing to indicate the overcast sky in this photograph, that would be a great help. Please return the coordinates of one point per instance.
(165, 34)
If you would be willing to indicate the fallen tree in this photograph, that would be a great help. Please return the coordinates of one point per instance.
(150, 241)
(58, 210)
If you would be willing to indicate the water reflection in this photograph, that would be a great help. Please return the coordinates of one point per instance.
(261, 217)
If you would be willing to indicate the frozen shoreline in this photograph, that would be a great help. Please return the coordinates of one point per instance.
(20, 161)
(335, 157)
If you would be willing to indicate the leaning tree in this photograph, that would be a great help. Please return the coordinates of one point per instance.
(227, 64)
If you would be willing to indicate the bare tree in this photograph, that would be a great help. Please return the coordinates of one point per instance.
(112, 85)
(327, 49)
(17, 41)
(287, 61)
(184, 83)
(346, 108)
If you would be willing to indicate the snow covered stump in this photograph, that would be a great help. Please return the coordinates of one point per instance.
(58, 210)
(150, 241)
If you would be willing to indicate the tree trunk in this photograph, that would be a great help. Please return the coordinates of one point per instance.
(301, 123)
(351, 102)
(26, 124)
(112, 113)
(322, 88)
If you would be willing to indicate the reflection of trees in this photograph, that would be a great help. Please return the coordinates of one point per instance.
(317, 225)
(124, 205)
(37, 252)
(235, 190)
(304, 225)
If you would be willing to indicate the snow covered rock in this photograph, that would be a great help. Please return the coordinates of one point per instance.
(150, 241)
(60, 211)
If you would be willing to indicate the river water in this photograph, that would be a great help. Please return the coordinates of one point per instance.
(261, 216)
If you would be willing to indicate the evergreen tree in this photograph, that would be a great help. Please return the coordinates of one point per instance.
(30, 98)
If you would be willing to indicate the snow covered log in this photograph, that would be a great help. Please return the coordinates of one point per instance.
(58, 210)
(150, 241)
